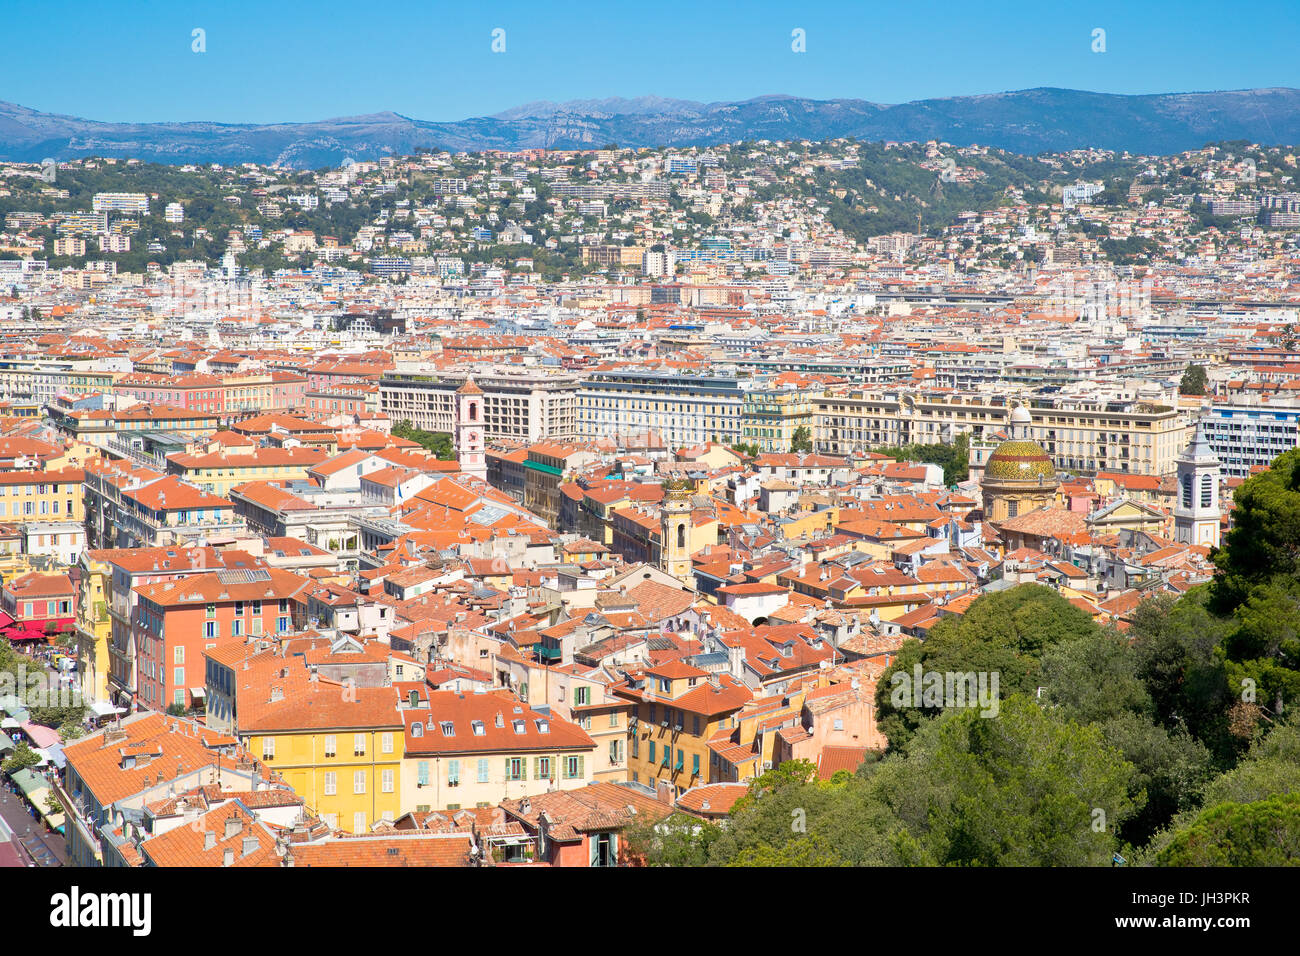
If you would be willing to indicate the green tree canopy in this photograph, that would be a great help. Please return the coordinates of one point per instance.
(1193, 381)
(1264, 833)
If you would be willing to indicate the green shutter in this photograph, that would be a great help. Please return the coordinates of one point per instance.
(580, 761)
(507, 768)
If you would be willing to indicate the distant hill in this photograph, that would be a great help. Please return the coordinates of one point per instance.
(1027, 121)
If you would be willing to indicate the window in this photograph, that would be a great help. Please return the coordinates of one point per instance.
(331, 745)
(651, 751)
(616, 751)
(422, 773)
(178, 654)
(268, 748)
(541, 768)
(386, 743)
(514, 768)
(613, 718)
(483, 770)
(359, 781)
(178, 677)
(696, 725)
(386, 780)
(211, 610)
(210, 629)
(331, 783)
(695, 765)
(358, 745)
(581, 696)
(359, 822)
(573, 768)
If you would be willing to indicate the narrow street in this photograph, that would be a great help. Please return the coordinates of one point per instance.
(27, 835)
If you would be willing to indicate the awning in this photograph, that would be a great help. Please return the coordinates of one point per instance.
(54, 754)
(19, 636)
(41, 735)
(102, 708)
(9, 723)
(196, 692)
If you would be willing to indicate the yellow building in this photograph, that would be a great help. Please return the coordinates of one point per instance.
(770, 417)
(217, 472)
(338, 746)
(94, 626)
(679, 710)
(48, 495)
(475, 750)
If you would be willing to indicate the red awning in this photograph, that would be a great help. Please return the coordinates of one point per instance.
(26, 635)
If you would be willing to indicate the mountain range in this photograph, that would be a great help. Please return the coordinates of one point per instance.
(1025, 121)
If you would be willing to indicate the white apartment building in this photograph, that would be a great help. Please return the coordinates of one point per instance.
(529, 404)
(1247, 432)
(683, 409)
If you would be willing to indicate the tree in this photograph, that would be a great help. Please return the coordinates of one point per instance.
(1193, 381)
(439, 443)
(679, 840)
(1176, 649)
(954, 458)
(22, 758)
(1025, 788)
(1264, 833)
(1264, 543)
(59, 716)
(1003, 633)
(801, 440)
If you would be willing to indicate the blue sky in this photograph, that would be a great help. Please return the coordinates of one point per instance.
(291, 60)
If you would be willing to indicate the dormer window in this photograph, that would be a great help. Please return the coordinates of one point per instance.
(518, 726)
(478, 728)
(417, 729)
(448, 728)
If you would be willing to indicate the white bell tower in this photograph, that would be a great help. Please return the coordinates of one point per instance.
(469, 430)
(1196, 515)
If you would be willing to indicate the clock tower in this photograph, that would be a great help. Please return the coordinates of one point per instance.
(469, 430)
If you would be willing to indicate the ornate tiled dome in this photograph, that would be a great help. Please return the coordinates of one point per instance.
(1020, 461)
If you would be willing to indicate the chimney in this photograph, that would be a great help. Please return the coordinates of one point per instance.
(228, 856)
(209, 839)
(234, 825)
(248, 846)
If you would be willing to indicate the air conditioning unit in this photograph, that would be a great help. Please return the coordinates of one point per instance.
(677, 728)
(663, 723)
